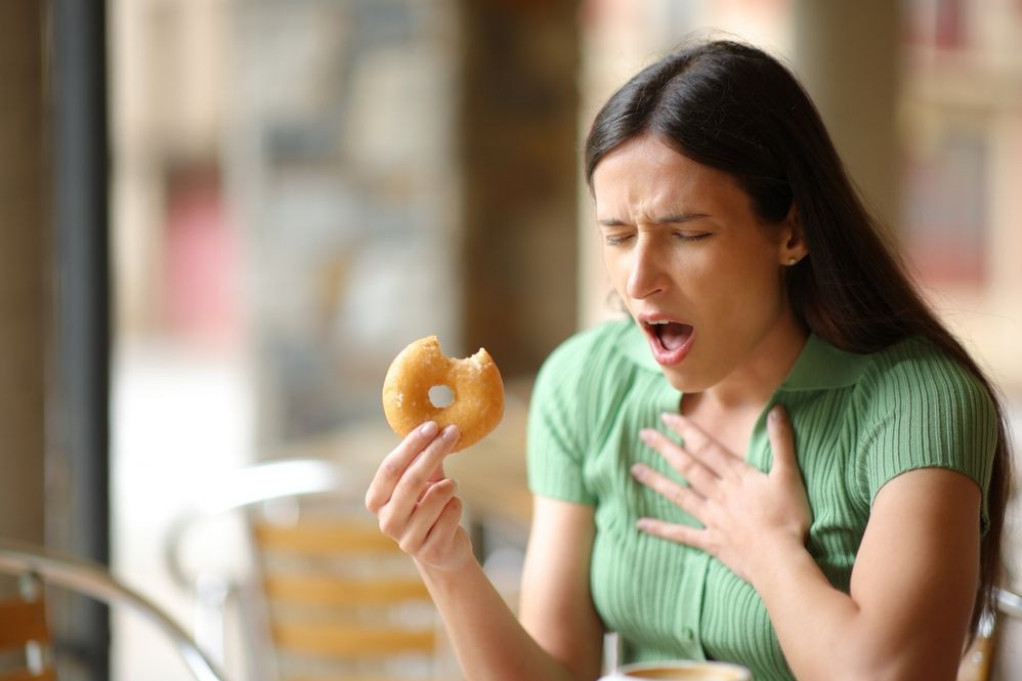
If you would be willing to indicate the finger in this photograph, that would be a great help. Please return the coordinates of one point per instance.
(421, 470)
(782, 441)
(426, 513)
(443, 530)
(430, 465)
(701, 446)
(685, 498)
(695, 472)
(438, 474)
(394, 465)
(683, 534)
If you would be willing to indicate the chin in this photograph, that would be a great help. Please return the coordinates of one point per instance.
(686, 383)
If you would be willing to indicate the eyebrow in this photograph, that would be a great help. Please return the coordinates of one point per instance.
(674, 219)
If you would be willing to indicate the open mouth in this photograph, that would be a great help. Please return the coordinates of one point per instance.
(670, 335)
(670, 341)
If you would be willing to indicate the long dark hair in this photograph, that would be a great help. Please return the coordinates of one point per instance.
(733, 107)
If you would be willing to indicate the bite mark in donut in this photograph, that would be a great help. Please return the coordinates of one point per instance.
(475, 384)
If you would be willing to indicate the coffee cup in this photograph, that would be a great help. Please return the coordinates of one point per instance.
(681, 670)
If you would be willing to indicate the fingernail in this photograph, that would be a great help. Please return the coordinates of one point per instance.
(777, 413)
(450, 433)
(429, 428)
(638, 471)
(646, 435)
(642, 524)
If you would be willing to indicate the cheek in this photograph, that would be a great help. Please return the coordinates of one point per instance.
(744, 291)
(755, 264)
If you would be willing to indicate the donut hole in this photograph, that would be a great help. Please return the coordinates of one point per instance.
(441, 396)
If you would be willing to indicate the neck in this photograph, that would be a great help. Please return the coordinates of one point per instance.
(751, 385)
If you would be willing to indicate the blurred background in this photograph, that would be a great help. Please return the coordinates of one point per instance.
(220, 220)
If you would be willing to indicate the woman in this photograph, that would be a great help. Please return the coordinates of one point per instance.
(781, 458)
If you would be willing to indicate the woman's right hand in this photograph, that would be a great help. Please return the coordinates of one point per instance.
(416, 503)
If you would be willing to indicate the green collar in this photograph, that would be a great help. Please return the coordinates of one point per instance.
(819, 366)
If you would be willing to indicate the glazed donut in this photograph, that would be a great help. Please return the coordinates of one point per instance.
(475, 382)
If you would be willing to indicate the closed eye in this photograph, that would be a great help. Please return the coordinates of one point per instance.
(615, 232)
(616, 239)
(691, 237)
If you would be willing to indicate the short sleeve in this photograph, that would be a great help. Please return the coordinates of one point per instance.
(556, 438)
(927, 411)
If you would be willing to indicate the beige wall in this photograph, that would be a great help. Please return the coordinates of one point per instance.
(846, 54)
(24, 300)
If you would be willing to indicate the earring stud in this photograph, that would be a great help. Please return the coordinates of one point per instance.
(792, 261)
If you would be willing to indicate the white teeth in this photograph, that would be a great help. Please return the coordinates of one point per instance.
(658, 323)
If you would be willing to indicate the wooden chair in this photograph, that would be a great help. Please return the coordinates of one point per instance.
(996, 654)
(25, 633)
(24, 628)
(326, 595)
(341, 599)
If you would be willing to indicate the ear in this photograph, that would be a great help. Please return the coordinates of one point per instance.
(792, 247)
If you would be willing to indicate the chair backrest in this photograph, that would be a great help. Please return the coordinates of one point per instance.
(342, 601)
(996, 654)
(326, 594)
(25, 634)
(28, 623)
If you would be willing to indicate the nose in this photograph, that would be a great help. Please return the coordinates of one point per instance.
(648, 275)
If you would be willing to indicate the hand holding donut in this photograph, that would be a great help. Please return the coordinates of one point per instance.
(414, 501)
(416, 504)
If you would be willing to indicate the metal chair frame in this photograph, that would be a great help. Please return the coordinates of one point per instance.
(90, 579)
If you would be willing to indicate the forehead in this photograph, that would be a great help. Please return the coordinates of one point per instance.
(647, 171)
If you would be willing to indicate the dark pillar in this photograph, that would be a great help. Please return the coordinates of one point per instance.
(518, 133)
(79, 502)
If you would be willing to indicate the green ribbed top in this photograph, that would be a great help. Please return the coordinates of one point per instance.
(859, 421)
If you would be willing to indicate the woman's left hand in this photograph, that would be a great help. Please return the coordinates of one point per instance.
(744, 512)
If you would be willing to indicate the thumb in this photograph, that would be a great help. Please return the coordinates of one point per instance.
(782, 442)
